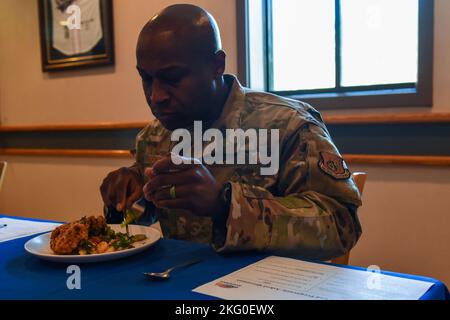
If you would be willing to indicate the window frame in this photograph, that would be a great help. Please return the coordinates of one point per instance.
(378, 96)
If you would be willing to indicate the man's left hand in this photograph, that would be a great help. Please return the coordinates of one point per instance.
(196, 189)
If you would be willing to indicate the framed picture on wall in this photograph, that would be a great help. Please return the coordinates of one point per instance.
(76, 33)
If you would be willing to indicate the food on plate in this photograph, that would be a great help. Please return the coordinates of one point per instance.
(90, 235)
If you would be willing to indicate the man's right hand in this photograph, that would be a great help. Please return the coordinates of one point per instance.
(121, 188)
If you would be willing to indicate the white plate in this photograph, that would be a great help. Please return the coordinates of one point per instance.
(40, 246)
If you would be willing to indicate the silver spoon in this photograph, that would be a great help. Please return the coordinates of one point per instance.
(166, 274)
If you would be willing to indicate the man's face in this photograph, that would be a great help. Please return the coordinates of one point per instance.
(178, 85)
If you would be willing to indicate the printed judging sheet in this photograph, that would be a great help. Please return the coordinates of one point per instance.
(11, 229)
(279, 278)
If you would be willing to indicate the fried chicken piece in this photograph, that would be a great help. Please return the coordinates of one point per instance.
(96, 225)
(66, 238)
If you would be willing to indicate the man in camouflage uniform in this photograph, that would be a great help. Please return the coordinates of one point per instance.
(308, 208)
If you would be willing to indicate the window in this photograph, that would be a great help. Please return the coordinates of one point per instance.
(338, 53)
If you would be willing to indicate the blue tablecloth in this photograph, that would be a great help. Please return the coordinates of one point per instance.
(23, 276)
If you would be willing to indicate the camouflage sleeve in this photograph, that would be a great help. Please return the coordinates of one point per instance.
(313, 211)
(147, 143)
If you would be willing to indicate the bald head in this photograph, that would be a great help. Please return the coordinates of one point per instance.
(181, 64)
(192, 28)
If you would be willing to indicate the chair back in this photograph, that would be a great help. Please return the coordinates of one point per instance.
(2, 172)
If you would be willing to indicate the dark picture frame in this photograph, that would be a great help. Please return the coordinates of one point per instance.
(90, 46)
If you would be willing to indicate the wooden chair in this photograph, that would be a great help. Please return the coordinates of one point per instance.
(2, 172)
(360, 180)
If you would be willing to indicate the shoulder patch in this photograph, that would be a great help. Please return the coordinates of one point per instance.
(333, 165)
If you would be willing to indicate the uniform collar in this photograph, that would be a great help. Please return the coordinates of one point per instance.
(232, 110)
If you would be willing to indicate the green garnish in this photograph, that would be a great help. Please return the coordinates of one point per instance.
(122, 241)
(87, 245)
(130, 216)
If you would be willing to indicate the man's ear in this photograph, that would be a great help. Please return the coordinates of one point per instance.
(219, 63)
